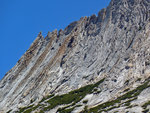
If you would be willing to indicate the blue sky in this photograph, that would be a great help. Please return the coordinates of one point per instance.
(22, 20)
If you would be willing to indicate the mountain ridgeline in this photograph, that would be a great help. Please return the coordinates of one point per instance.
(97, 64)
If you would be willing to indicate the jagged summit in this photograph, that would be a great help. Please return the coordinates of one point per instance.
(97, 64)
(40, 34)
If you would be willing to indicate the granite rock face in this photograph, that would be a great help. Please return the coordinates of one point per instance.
(114, 46)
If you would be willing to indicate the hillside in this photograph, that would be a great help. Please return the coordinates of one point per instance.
(96, 64)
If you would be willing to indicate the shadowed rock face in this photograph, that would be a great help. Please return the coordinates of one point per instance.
(114, 45)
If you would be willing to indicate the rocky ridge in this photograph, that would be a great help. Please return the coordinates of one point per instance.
(97, 64)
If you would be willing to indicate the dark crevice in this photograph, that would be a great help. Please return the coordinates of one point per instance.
(70, 43)
(130, 44)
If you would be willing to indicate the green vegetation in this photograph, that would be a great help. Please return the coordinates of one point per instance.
(48, 97)
(139, 79)
(63, 108)
(127, 103)
(72, 97)
(126, 90)
(41, 111)
(131, 95)
(146, 104)
(140, 28)
(67, 110)
(85, 101)
(113, 107)
(95, 89)
(78, 105)
(32, 109)
(25, 108)
(85, 110)
(130, 106)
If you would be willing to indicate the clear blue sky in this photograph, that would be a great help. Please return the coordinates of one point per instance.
(22, 20)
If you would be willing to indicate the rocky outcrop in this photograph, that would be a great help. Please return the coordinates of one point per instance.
(113, 47)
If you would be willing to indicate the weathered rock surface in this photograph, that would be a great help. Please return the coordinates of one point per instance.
(114, 45)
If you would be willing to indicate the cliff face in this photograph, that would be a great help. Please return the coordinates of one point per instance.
(105, 57)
